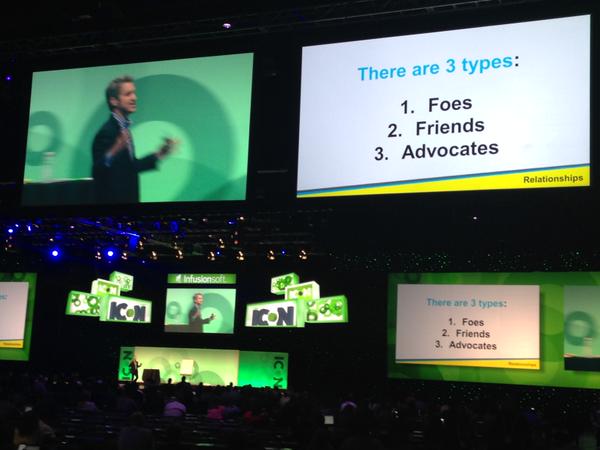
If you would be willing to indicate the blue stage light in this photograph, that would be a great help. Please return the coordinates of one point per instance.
(111, 253)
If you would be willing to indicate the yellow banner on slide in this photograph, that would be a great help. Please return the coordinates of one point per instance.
(11, 344)
(528, 364)
(561, 177)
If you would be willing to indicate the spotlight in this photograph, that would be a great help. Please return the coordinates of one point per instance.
(153, 255)
(124, 256)
(179, 254)
(55, 253)
(271, 255)
(9, 77)
(283, 251)
(11, 230)
(211, 256)
(240, 256)
(227, 25)
(111, 253)
(303, 255)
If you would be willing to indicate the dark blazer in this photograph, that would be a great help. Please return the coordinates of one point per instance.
(196, 324)
(118, 181)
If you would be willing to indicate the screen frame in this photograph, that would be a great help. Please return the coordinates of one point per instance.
(452, 21)
(106, 56)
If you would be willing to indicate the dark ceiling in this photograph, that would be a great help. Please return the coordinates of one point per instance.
(54, 26)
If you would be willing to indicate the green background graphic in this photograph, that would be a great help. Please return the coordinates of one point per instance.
(217, 301)
(211, 366)
(22, 354)
(263, 369)
(203, 102)
(83, 304)
(552, 326)
(582, 320)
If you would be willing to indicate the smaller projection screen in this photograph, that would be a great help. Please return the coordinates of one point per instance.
(200, 303)
(511, 328)
(17, 295)
(433, 112)
(183, 136)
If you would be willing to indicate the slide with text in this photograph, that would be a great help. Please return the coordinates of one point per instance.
(13, 312)
(468, 325)
(496, 107)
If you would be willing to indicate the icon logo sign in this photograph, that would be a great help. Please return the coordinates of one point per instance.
(105, 301)
(302, 303)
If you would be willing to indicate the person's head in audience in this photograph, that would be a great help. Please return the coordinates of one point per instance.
(27, 430)
(136, 419)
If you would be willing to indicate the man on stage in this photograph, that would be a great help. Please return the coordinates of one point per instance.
(196, 322)
(115, 167)
(134, 365)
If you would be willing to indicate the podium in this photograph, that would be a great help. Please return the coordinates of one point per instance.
(151, 377)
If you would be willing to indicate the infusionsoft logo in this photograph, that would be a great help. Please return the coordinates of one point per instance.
(201, 278)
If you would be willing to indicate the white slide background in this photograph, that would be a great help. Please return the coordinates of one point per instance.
(513, 323)
(536, 111)
(13, 310)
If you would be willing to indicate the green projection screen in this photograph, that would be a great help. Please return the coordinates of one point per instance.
(215, 315)
(200, 303)
(535, 328)
(203, 103)
(17, 297)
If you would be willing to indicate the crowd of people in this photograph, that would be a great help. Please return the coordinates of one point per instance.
(401, 415)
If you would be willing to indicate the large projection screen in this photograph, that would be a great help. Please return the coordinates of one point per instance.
(495, 107)
(201, 103)
(531, 328)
